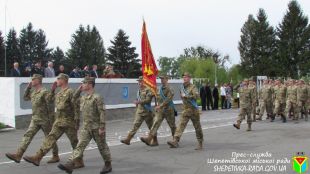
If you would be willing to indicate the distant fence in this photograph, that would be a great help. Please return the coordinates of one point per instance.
(117, 94)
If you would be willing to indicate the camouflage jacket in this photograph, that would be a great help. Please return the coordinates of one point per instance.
(144, 96)
(302, 93)
(164, 102)
(66, 107)
(245, 97)
(93, 111)
(280, 93)
(292, 94)
(40, 101)
(191, 95)
(266, 93)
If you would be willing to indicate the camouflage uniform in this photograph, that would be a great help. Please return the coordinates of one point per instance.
(254, 94)
(302, 97)
(246, 99)
(280, 98)
(190, 112)
(166, 110)
(265, 101)
(93, 112)
(291, 102)
(143, 112)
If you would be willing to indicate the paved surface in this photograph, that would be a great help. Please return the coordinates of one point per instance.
(269, 148)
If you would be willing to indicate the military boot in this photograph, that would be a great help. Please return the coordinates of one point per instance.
(254, 118)
(237, 126)
(78, 163)
(174, 143)
(249, 127)
(147, 140)
(127, 140)
(306, 117)
(68, 167)
(15, 156)
(199, 146)
(35, 160)
(272, 117)
(54, 159)
(107, 168)
(154, 142)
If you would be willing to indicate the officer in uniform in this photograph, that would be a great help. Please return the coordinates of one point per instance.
(252, 86)
(66, 121)
(189, 95)
(246, 99)
(39, 97)
(164, 109)
(93, 112)
(280, 98)
(265, 100)
(143, 112)
(291, 102)
(302, 96)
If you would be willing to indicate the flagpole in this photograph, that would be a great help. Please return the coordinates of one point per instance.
(5, 66)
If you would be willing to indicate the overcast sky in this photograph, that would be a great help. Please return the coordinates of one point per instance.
(172, 24)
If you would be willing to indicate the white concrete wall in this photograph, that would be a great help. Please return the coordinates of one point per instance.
(10, 96)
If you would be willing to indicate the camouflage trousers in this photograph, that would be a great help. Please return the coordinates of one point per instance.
(291, 107)
(85, 137)
(32, 131)
(279, 108)
(194, 116)
(254, 110)
(139, 118)
(265, 105)
(303, 107)
(159, 117)
(56, 132)
(245, 112)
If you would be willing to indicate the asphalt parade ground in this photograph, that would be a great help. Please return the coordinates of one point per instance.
(269, 148)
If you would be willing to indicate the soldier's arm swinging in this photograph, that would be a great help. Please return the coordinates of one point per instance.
(101, 110)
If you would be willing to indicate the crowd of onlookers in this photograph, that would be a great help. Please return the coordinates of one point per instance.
(50, 71)
(210, 96)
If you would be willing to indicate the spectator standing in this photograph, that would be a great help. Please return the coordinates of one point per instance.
(215, 94)
(203, 97)
(86, 72)
(228, 96)
(94, 72)
(15, 71)
(209, 96)
(223, 96)
(49, 71)
(75, 73)
(61, 69)
(38, 69)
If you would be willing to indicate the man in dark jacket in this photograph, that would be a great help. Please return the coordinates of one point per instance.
(15, 71)
(203, 97)
(38, 69)
(215, 94)
(209, 97)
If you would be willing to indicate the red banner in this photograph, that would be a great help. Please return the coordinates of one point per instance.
(149, 69)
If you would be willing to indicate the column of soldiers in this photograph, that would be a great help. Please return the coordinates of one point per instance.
(286, 100)
(68, 104)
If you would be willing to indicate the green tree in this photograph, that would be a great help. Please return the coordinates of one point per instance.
(86, 47)
(41, 50)
(293, 38)
(27, 44)
(58, 57)
(165, 64)
(121, 55)
(12, 49)
(2, 48)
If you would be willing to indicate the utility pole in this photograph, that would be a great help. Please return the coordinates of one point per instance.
(5, 37)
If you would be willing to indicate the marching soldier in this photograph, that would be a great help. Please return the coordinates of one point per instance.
(93, 112)
(252, 86)
(189, 94)
(291, 102)
(280, 98)
(246, 100)
(66, 121)
(302, 96)
(143, 112)
(165, 109)
(265, 100)
(39, 97)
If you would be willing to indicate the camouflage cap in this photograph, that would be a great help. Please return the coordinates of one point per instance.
(37, 76)
(163, 76)
(89, 79)
(63, 76)
(187, 74)
(140, 78)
